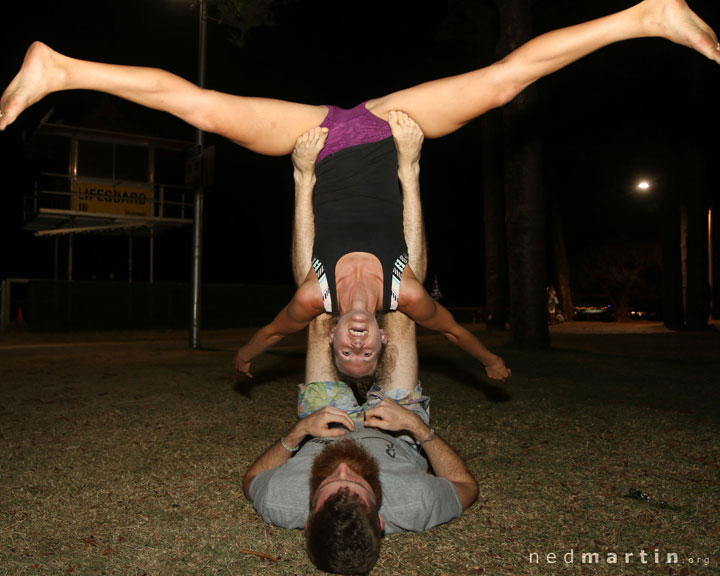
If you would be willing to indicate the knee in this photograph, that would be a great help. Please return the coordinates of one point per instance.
(505, 80)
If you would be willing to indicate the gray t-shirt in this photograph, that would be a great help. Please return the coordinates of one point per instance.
(412, 499)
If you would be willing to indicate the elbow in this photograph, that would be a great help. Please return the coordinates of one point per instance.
(275, 337)
(271, 335)
(470, 494)
(453, 337)
(474, 491)
(247, 481)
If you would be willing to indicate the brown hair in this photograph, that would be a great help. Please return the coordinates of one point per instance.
(344, 535)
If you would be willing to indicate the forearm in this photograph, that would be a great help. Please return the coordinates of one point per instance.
(446, 463)
(273, 457)
(263, 339)
(468, 342)
(304, 225)
(320, 424)
(409, 176)
(408, 172)
(443, 321)
(389, 415)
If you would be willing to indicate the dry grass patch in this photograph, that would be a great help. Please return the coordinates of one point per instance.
(127, 457)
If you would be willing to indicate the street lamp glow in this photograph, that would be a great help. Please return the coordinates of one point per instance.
(643, 185)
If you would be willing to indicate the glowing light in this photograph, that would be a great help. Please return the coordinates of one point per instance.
(643, 185)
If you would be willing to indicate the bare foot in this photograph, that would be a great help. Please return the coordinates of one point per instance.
(38, 76)
(307, 149)
(673, 19)
(408, 137)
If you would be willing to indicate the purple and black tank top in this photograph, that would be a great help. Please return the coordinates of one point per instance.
(358, 204)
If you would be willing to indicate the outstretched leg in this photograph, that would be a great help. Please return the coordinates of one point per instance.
(443, 106)
(263, 125)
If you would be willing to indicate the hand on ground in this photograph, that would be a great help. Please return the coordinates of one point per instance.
(242, 365)
(497, 370)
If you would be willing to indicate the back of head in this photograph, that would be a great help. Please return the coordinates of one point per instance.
(343, 537)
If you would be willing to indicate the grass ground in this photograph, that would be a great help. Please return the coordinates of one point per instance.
(123, 454)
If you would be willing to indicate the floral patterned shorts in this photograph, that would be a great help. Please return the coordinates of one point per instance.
(316, 395)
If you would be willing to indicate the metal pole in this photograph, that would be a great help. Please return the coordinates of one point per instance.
(56, 274)
(4, 304)
(152, 255)
(130, 257)
(198, 198)
(70, 258)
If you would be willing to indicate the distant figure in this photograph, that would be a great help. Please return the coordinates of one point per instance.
(552, 306)
(436, 293)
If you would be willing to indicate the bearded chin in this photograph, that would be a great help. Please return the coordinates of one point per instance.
(352, 454)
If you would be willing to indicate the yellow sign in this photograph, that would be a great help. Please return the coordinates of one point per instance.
(109, 199)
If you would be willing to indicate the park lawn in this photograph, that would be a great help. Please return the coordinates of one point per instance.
(124, 455)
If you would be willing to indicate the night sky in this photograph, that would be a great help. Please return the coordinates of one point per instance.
(634, 110)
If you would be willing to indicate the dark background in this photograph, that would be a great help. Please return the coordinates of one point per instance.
(638, 109)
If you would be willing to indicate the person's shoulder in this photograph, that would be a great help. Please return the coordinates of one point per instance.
(309, 294)
(279, 498)
(411, 290)
(418, 501)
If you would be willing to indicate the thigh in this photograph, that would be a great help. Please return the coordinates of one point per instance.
(445, 105)
(319, 365)
(263, 125)
(401, 337)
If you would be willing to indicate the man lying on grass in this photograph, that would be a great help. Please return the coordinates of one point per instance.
(347, 482)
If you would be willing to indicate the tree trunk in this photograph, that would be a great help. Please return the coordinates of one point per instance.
(673, 315)
(524, 195)
(697, 306)
(496, 270)
(715, 253)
